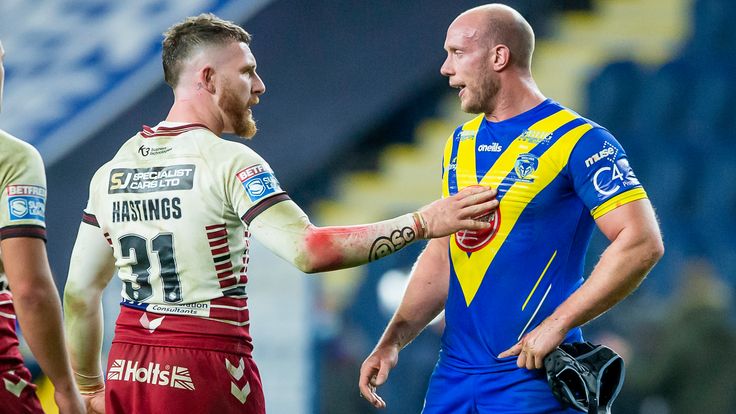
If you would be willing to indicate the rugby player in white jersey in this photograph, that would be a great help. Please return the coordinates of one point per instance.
(25, 268)
(173, 212)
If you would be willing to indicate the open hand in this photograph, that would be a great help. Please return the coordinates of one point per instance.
(459, 212)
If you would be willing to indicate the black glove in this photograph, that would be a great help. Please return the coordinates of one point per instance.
(584, 376)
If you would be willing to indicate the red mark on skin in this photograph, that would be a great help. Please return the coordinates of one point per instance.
(327, 247)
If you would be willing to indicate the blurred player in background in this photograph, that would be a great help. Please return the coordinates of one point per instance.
(25, 268)
(173, 212)
(513, 293)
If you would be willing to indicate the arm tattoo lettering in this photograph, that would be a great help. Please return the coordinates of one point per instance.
(385, 245)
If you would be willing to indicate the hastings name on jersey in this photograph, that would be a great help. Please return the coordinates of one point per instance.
(152, 179)
(145, 210)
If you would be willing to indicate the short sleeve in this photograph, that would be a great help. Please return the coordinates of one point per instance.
(601, 174)
(89, 214)
(251, 185)
(23, 198)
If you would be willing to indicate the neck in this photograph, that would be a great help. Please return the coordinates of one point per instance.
(196, 110)
(517, 95)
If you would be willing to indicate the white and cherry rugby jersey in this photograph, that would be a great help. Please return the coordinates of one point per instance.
(174, 204)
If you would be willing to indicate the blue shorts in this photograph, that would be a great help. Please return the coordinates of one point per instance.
(518, 391)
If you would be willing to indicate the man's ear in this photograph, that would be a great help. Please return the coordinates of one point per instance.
(500, 57)
(207, 79)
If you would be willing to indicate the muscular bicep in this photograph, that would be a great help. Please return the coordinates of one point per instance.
(92, 263)
(635, 219)
(430, 278)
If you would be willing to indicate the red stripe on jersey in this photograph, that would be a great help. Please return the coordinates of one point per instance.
(227, 273)
(223, 266)
(90, 219)
(214, 227)
(219, 242)
(216, 234)
(235, 302)
(23, 230)
(219, 313)
(228, 282)
(259, 208)
(178, 127)
(163, 131)
(221, 250)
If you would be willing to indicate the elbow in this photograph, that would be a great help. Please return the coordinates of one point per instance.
(76, 299)
(653, 250)
(306, 266)
(33, 298)
(320, 252)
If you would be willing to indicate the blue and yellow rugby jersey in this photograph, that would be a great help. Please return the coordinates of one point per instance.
(555, 173)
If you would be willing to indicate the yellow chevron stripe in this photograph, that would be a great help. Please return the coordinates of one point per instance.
(466, 175)
(471, 270)
(621, 199)
(538, 280)
(445, 163)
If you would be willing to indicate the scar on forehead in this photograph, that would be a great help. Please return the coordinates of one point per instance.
(470, 33)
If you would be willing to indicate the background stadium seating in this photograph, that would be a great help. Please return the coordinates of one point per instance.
(353, 122)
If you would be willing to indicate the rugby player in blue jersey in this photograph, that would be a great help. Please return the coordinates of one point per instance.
(514, 292)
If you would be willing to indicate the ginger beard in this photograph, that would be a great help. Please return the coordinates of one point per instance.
(237, 112)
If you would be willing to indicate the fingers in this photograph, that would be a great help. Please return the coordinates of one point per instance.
(528, 358)
(538, 361)
(514, 350)
(367, 383)
(521, 361)
(474, 195)
(380, 379)
(479, 210)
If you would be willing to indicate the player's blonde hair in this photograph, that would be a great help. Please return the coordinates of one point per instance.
(181, 39)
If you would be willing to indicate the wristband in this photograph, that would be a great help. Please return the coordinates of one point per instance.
(421, 225)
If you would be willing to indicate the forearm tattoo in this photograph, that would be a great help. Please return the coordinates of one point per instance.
(385, 245)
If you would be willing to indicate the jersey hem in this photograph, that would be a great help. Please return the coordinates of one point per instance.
(23, 230)
(617, 201)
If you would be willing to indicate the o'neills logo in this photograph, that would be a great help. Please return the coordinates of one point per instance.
(176, 377)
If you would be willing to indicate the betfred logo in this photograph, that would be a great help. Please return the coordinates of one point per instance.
(175, 377)
(249, 172)
(473, 240)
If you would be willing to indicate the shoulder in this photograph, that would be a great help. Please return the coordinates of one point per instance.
(18, 152)
(229, 154)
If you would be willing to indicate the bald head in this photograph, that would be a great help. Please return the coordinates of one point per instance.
(501, 25)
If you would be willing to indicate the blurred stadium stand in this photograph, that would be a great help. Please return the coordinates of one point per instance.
(354, 121)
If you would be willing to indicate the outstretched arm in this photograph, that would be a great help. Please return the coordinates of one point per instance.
(90, 270)
(636, 246)
(285, 229)
(37, 305)
(423, 300)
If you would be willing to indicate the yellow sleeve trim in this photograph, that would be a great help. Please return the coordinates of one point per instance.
(618, 201)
